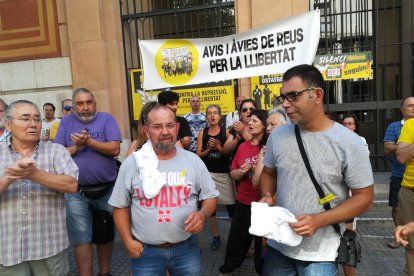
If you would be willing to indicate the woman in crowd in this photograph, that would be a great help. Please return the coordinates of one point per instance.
(352, 123)
(210, 149)
(242, 169)
(239, 131)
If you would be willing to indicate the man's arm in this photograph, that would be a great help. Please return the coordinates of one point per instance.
(404, 152)
(186, 142)
(390, 148)
(5, 182)
(122, 220)
(268, 185)
(195, 221)
(57, 182)
(360, 201)
(111, 148)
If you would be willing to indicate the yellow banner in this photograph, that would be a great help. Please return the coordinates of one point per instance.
(345, 66)
(264, 89)
(221, 93)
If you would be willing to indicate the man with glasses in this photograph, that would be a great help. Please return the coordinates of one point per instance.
(155, 199)
(170, 99)
(339, 162)
(34, 175)
(66, 110)
(390, 146)
(93, 139)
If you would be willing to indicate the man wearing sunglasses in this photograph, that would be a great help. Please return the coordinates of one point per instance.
(340, 163)
(66, 110)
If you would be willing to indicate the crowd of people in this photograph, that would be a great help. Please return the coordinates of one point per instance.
(60, 183)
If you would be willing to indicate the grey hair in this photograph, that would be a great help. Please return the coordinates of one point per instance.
(81, 90)
(8, 115)
(214, 105)
(283, 118)
(65, 100)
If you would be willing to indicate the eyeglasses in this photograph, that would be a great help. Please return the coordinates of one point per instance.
(348, 123)
(161, 127)
(244, 109)
(67, 108)
(27, 120)
(291, 96)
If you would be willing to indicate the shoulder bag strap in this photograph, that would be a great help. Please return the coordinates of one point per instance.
(318, 188)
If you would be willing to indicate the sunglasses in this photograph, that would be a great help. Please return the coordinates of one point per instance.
(67, 108)
(244, 109)
(291, 96)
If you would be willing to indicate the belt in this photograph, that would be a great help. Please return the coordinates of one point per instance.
(164, 245)
(410, 189)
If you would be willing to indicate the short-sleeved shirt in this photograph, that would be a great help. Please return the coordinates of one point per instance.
(339, 161)
(161, 219)
(407, 136)
(95, 168)
(246, 153)
(196, 122)
(32, 216)
(391, 135)
(46, 126)
(184, 130)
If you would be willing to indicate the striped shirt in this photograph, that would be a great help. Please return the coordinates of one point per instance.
(32, 216)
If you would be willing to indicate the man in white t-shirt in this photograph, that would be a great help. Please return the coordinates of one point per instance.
(48, 119)
(234, 116)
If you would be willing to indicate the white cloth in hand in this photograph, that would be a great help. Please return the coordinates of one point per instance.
(147, 163)
(273, 223)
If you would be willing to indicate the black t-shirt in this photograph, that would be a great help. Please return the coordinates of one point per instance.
(215, 161)
(184, 130)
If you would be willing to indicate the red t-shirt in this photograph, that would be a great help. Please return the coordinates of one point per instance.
(246, 193)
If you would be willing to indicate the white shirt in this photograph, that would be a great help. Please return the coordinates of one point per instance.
(231, 118)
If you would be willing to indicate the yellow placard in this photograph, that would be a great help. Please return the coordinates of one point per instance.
(345, 66)
(221, 93)
(264, 89)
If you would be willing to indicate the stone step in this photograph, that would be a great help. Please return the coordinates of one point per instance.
(377, 217)
(381, 188)
(375, 232)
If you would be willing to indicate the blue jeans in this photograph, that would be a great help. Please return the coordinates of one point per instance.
(79, 216)
(182, 259)
(278, 264)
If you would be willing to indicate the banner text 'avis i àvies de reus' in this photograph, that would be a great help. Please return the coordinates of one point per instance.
(269, 49)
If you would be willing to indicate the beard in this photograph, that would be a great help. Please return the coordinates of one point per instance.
(165, 146)
(86, 119)
(1, 124)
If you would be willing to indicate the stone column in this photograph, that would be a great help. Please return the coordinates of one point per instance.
(96, 54)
